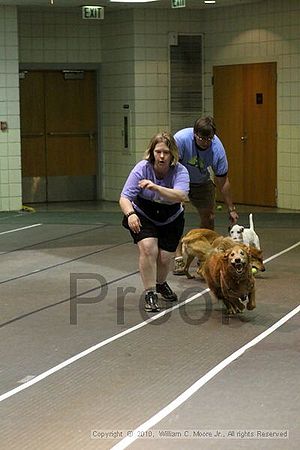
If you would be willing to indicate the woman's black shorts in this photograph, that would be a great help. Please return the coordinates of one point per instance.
(168, 235)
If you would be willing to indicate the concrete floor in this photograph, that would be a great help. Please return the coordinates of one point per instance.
(80, 358)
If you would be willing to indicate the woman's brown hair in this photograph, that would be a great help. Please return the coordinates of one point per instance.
(166, 138)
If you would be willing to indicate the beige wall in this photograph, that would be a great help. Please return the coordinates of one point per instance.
(133, 50)
(10, 164)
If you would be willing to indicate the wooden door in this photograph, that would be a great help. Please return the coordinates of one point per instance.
(245, 115)
(68, 116)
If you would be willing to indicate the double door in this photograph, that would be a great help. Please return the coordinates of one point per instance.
(58, 135)
(245, 115)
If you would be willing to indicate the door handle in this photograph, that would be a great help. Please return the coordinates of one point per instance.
(89, 134)
(25, 135)
(244, 138)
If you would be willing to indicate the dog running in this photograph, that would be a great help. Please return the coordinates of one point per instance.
(245, 235)
(229, 276)
(195, 244)
(201, 242)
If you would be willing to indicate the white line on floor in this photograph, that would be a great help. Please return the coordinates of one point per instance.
(95, 347)
(86, 352)
(134, 435)
(22, 228)
(282, 252)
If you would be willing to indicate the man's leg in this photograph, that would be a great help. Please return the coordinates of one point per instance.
(207, 218)
(178, 262)
(202, 197)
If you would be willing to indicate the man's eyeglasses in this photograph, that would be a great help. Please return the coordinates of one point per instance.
(204, 139)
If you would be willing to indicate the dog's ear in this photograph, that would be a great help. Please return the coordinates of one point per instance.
(242, 229)
(245, 247)
(225, 258)
(229, 228)
(226, 254)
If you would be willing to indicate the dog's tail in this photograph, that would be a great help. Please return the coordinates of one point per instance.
(251, 222)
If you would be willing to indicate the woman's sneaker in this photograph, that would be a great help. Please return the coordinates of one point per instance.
(151, 300)
(178, 266)
(166, 292)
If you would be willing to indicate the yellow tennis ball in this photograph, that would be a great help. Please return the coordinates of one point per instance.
(219, 208)
(254, 270)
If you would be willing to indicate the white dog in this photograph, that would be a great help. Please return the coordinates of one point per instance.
(246, 235)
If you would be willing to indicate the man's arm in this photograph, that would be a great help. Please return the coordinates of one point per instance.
(224, 185)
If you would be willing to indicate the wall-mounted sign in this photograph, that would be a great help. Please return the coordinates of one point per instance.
(178, 3)
(93, 12)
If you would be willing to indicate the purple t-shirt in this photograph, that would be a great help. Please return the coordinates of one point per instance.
(176, 178)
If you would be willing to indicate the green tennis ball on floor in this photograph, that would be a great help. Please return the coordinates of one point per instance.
(219, 208)
(254, 270)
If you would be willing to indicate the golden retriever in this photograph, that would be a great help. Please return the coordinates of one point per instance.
(196, 244)
(256, 255)
(229, 276)
(200, 242)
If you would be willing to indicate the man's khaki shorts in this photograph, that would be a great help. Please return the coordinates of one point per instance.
(202, 196)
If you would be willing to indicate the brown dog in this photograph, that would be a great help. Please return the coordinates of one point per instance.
(229, 276)
(196, 244)
(256, 255)
(200, 242)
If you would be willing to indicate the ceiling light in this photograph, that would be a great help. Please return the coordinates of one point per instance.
(210, 1)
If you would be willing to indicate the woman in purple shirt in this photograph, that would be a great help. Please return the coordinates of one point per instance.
(151, 201)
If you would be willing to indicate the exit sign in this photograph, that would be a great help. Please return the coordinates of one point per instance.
(93, 12)
(178, 3)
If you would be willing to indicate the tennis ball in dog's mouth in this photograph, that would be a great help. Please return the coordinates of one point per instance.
(219, 208)
(254, 270)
